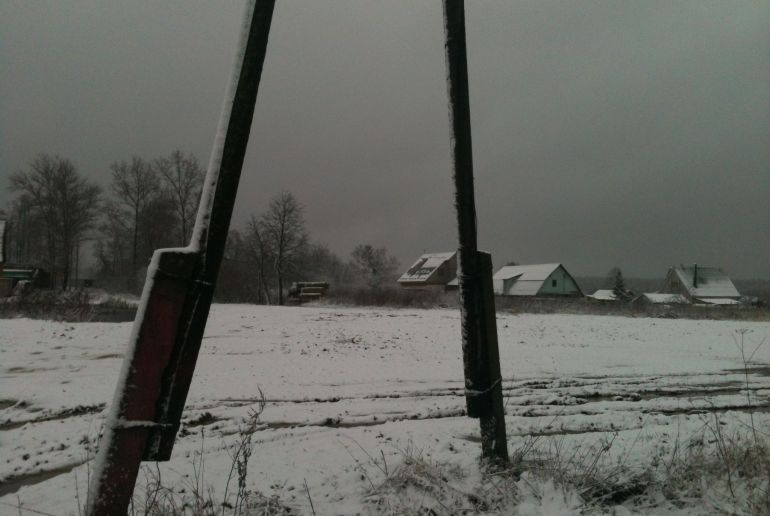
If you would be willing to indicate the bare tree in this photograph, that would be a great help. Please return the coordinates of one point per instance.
(237, 280)
(26, 235)
(321, 264)
(283, 229)
(135, 186)
(261, 254)
(113, 249)
(182, 178)
(374, 265)
(67, 204)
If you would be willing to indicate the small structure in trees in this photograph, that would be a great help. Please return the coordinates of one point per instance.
(304, 291)
(548, 279)
(431, 270)
(701, 285)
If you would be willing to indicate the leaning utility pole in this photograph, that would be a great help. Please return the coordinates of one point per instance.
(152, 388)
(481, 361)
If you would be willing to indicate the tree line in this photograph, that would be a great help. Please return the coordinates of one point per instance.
(150, 204)
(274, 250)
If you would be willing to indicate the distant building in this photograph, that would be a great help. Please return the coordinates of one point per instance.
(550, 279)
(603, 295)
(431, 270)
(705, 285)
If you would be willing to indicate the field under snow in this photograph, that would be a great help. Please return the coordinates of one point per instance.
(351, 392)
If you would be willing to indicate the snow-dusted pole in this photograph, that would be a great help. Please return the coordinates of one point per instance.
(481, 362)
(152, 388)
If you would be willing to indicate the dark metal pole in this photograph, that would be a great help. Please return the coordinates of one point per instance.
(479, 333)
(157, 370)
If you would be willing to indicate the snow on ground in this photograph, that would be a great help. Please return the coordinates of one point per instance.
(347, 385)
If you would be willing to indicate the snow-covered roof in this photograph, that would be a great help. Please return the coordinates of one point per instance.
(2, 241)
(529, 278)
(603, 295)
(711, 282)
(426, 265)
(666, 299)
(537, 272)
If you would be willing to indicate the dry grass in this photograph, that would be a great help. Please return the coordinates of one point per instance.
(439, 298)
(196, 496)
(717, 475)
(726, 474)
(69, 306)
(419, 486)
(391, 296)
(583, 306)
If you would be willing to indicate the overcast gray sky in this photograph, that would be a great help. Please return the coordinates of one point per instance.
(605, 132)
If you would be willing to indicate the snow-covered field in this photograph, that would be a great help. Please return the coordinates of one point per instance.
(349, 389)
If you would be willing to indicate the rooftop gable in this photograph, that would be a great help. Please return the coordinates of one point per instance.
(425, 266)
(537, 272)
(604, 295)
(711, 282)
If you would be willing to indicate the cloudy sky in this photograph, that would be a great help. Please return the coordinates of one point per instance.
(605, 132)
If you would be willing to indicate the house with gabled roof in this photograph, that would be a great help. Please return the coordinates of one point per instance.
(698, 284)
(431, 270)
(547, 279)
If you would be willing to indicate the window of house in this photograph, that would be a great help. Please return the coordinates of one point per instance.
(553, 282)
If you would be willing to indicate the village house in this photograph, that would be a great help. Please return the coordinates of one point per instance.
(701, 285)
(549, 279)
(431, 270)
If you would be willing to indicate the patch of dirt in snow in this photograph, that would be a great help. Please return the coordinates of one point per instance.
(108, 355)
(11, 484)
(763, 370)
(80, 410)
